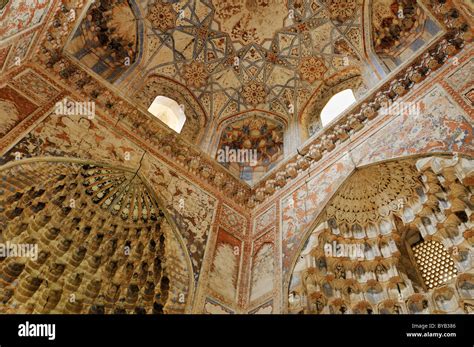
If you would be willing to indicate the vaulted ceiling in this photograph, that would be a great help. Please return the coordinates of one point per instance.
(228, 60)
(233, 56)
(235, 63)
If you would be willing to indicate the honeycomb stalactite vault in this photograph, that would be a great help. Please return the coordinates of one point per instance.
(396, 238)
(104, 244)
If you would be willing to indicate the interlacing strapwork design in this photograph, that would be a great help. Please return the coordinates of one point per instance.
(103, 244)
(396, 238)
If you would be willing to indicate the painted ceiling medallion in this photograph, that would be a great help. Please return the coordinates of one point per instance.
(162, 16)
(342, 10)
(123, 195)
(254, 93)
(312, 69)
(195, 74)
(250, 21)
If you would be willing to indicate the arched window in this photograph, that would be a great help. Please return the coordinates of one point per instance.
(336, 105)
(169, 112)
